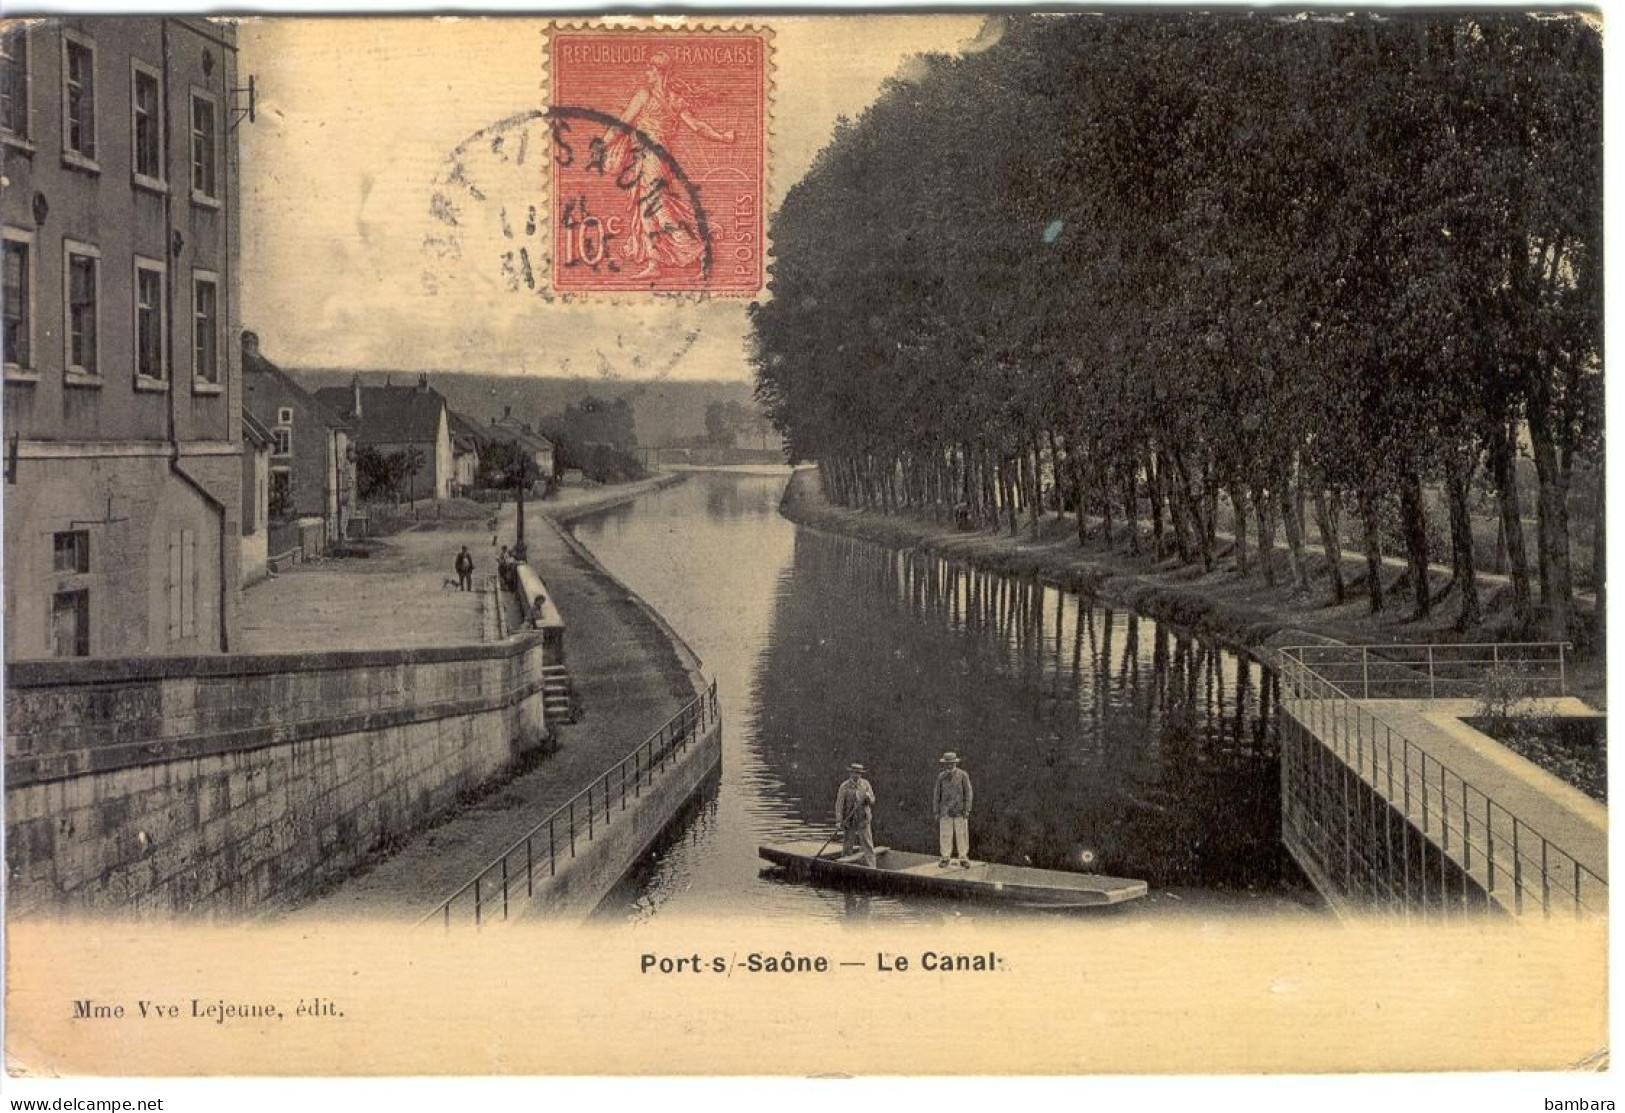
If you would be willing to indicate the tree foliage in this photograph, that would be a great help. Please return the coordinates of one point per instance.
(1136, 264)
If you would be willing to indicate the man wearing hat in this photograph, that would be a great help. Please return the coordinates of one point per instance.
(951, 801)
(854, 805)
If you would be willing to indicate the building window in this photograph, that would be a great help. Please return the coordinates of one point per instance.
(80, 293)
(284, 415)
(70, 624)
(146, 106)
(14, 83)
(78, 97)
(149, 321)
(205, 328)
(283, 445)
(70, 551)
(17, 280)
(203, 147)
(182, 584)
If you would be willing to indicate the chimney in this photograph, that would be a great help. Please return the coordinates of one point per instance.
(423, 383)
(507, 412)
(251, 342)
(355, 394)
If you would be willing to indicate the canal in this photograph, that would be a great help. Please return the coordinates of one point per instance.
(1091, 734)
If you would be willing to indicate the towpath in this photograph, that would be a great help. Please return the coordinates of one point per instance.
(630, 679)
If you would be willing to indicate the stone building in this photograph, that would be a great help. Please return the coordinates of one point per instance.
(465, 452)
(123, 508)
(257, 442)
(312, 462)
(510, 430)
(393, 419)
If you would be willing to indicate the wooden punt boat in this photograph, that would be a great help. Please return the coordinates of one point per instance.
(900, 871)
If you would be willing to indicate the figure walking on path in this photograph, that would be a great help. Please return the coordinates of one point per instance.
(951, 800)
(505, 564)
(465, 570)
(854, 810)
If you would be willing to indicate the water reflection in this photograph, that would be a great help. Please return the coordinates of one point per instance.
(1093, 735)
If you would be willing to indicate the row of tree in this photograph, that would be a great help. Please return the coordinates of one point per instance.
(1154, 262)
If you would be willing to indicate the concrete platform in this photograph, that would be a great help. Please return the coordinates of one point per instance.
(1557, 810)
(1529, 804)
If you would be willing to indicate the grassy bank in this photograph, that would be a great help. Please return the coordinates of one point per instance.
(1242, 611)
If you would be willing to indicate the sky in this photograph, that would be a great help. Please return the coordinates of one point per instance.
(356, 120)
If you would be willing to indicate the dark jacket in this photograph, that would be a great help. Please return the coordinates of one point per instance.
(952, 796)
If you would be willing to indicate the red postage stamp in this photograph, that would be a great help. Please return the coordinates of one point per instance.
(659, 167)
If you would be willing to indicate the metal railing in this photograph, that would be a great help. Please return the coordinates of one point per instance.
(561, 836)
(1437, 671)
(1515, 865)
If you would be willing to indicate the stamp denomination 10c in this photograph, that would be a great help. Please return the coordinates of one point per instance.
(659, 160)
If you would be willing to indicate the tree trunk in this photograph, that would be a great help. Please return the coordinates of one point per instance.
(1266, 534)
(1371, 519)
(1191, 512)
(1169, 481)
(1037, 484)
(1055, 469)
(1464, 562)
(1328, 512)
(1007, 484)
(1505, 476)
(1557, 568)
(1413, 516)
(1131, 506)
(1153, 484)
(1290, 505)
(1105, 499)
(1210, 500)
(1075, 466)
(1599, 563)
(1238, 501)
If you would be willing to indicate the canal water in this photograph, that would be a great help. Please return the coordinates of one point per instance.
(1093, 736)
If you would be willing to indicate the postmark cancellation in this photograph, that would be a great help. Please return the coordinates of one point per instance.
(657, 175)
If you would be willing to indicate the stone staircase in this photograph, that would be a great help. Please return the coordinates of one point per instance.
(559, 701)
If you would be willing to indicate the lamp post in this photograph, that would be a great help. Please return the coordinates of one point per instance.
(519, 551)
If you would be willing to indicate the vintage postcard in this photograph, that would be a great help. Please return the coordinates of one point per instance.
(798, 544)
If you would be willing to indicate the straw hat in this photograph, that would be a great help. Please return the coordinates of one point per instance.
(950, 758)
(855, 767)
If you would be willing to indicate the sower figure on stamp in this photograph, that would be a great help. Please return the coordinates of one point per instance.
(854, 809)
(951, 800)
(662, 230)
(465, 570)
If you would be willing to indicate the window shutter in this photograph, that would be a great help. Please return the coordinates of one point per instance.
(189, 584)
(173, 586)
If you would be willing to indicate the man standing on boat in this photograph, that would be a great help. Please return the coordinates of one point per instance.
(951, 801)
(854, 809)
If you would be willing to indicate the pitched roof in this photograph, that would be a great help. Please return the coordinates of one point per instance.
(390, 414)
(256, 364)
(465, 431)
(511, 430)
(255, 432)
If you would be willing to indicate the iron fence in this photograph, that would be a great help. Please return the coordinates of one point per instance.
(1438, 671)
(565, 832)
(1515, 865)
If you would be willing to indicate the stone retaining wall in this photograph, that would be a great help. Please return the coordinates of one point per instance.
(214, 784)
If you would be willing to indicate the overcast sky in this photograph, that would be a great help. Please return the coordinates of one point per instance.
(355, 124)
